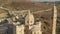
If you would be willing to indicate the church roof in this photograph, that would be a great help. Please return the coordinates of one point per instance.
(35, 28)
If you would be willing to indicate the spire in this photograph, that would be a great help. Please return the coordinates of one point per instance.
(29, 12)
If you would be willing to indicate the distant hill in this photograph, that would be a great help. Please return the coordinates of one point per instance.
(58, 2)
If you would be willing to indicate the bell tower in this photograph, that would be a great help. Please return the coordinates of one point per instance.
(29, 20)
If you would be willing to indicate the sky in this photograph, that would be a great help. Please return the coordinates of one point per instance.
(45, 0)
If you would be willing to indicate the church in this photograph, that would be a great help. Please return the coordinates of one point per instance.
(30, 27)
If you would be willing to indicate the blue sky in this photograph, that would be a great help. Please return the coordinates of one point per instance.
(45, 0)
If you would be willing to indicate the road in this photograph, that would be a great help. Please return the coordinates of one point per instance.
(43, 11)
(54, 20)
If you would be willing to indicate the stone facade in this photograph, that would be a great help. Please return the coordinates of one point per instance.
(30, 27)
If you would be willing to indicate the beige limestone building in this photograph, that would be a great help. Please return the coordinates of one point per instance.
(30, 27)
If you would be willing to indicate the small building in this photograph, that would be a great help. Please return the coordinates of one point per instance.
(38, 24)
(18, 29)
(36, 30)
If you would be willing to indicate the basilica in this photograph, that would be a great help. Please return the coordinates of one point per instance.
(29, 26)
